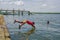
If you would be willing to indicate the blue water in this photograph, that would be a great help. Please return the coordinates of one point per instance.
(42, 32)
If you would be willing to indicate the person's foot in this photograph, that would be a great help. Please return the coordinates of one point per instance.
(14, 21)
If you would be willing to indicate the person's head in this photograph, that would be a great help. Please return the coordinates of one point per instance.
(33, 22)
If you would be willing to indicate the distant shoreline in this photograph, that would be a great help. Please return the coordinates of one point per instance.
(45, 13)
(31, 13)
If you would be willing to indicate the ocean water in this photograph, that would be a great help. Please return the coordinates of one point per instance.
(43, 30)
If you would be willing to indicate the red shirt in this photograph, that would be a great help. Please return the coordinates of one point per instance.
(29, 22)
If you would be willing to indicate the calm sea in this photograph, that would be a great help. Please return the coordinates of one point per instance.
(42, 32)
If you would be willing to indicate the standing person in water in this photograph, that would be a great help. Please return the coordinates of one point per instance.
(47, 22)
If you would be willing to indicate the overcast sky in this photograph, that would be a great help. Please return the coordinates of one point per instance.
(32, 5)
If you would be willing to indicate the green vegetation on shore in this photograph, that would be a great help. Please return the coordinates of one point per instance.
(31, 13)
(45, 12)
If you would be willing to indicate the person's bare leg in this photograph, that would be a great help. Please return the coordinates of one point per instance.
(21, 25)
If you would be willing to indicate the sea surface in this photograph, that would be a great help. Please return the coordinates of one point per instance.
(43, 30)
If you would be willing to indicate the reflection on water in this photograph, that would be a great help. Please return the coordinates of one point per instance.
(42, 32)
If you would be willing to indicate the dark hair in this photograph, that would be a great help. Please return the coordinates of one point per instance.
(33, 22)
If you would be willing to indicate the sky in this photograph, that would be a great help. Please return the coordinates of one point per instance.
(32, 5)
